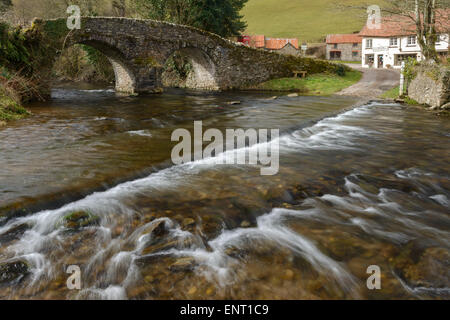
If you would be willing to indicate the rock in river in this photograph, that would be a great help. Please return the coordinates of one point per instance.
(79, 219)
(13, 271)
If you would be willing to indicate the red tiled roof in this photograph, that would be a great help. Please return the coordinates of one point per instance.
(257, 41)
(397, 25)
(277, 44)
(344, 38)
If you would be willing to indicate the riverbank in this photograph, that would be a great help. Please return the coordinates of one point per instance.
(317, 84)
(10, 109)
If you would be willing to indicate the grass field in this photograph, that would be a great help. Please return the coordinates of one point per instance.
(307, 20)
(316, 84)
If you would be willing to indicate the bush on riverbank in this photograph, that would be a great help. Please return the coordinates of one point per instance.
(316, 84)
(14, 90)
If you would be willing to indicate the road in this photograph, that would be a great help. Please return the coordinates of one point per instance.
(373, 83)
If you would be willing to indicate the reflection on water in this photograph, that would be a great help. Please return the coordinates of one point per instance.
(368, 186)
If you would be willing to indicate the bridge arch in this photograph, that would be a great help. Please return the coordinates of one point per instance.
(125, 80)
(203, 74)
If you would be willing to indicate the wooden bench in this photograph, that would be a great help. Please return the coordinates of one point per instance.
(303, 73)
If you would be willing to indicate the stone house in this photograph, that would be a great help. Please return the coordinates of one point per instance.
(344, 47)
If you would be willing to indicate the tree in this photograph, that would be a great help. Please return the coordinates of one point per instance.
(4, 5)
(218, 16)
(428, 16)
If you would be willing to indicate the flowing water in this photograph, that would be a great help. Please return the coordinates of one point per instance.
(357, 187)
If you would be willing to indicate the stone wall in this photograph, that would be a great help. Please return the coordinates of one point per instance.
(139, 49)
(346, 50)
(431, 85)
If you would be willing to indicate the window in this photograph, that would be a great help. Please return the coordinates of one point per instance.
(355, 45)
(369, 59)
(441, 37)
(335, 55)
(411, 40)
(335, 46)
(369, 43)
(393, 42)
(399, 58)
(355, 54)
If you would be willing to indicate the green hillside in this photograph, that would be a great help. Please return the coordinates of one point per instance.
(307, 20)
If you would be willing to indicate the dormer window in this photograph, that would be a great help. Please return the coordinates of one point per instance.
(412, 40)
(393, 42)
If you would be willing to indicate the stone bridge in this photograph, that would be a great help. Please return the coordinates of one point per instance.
(138, 50)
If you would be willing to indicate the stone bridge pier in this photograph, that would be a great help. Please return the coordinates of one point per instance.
(139, 49)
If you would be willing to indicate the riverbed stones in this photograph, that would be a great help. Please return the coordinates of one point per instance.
(13, 271)
(188, 222)
(183, 264)
(14, 233)
(429, 268)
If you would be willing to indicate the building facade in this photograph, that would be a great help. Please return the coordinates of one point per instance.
(344, 47)
(396, 41)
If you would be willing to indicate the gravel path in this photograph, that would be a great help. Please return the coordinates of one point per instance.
(373, 83)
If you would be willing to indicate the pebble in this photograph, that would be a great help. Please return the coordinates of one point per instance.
(245, 224)
(188, 222)
(192, 291)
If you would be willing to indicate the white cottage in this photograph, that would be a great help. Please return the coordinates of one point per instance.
(396, 41)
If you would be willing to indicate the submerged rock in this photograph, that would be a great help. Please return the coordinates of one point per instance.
(245, 224)
(14, 233)
(183, 264)
(79, 219)
(188, 222)
(13, 271)
(423, 268)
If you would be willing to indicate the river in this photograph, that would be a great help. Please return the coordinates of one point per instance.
(357, 187)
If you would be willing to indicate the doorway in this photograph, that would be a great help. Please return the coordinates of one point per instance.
(380, 61)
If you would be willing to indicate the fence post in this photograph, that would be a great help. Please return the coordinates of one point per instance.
(402, 79)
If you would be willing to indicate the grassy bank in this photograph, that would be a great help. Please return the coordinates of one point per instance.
(391, 94)
(317, 84)
(394, 94)
(10, 109)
